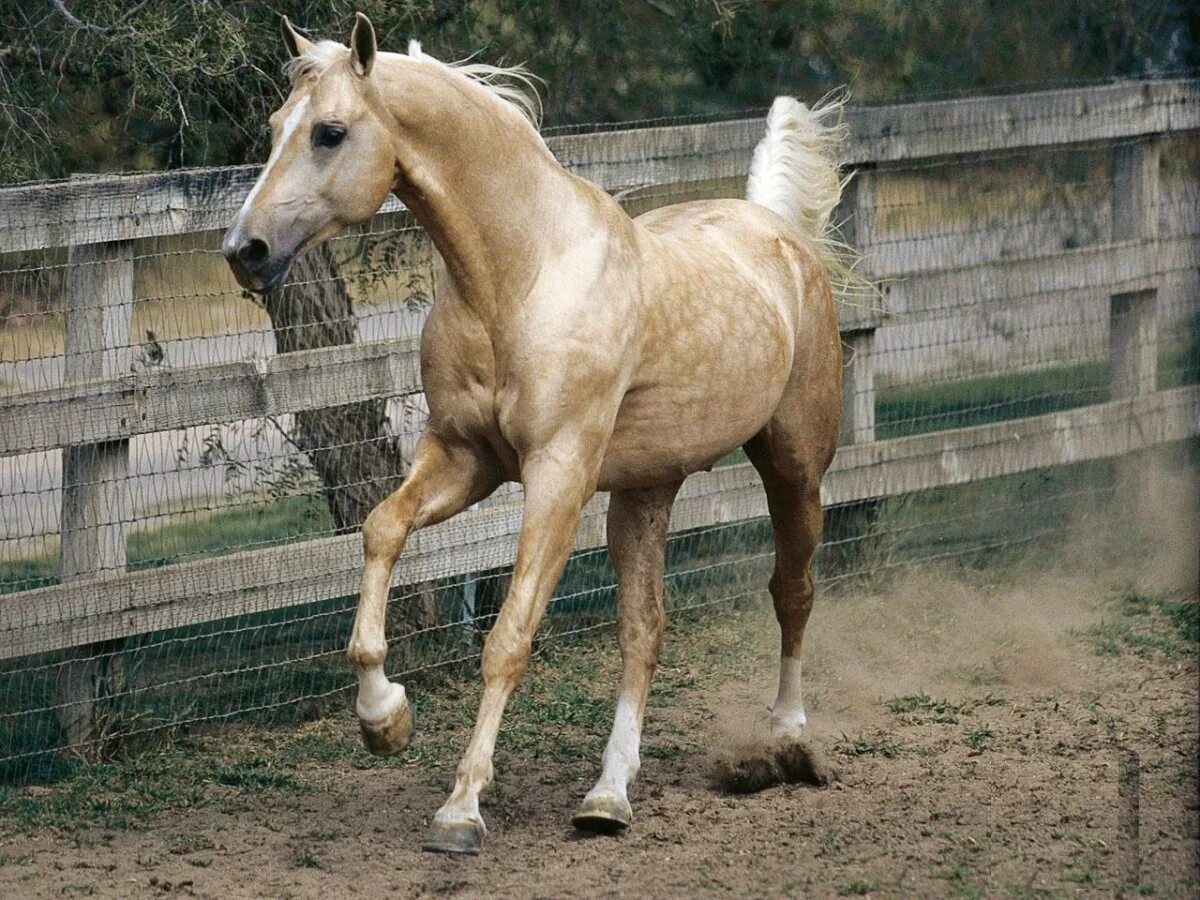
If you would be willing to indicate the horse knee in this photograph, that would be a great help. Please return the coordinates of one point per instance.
(383, 533)
(793, 599)
(505, 655)
(366, 652)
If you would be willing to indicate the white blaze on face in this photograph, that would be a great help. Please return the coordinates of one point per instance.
(289, 126)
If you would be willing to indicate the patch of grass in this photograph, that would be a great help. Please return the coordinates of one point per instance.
(325, 833)
(961, 878)
(920, 708)
(955, 872)
(902, 411)
(859, 887)
(1147, 625)
(307, 858)
(978, 738)
(1090, 876)
(126, 794)
(253, 776)
(869, 745)
(254, 525)
(913, 409)
(1185, 616)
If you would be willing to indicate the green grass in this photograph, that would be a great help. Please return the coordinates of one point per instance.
(977, 739)
(921, 708)
(562, 712)
(869, 745)
(903, 411)
(307, 858)
(287, 665)
(1148, 625)
(261, 524)
(961, 403)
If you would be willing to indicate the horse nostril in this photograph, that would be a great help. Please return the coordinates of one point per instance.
(253, 252)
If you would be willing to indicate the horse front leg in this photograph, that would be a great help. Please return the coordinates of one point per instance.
(445, 478)
(558, 481)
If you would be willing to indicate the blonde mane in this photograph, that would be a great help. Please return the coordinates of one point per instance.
(513, 85)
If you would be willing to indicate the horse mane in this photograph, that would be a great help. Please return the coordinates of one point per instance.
(513, 85)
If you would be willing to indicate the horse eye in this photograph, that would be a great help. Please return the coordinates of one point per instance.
(328, 135)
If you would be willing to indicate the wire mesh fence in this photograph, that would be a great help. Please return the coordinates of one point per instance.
(184, 467)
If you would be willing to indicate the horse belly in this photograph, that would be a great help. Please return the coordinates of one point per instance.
(682, 419)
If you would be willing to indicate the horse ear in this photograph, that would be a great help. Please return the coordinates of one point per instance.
(362, 45)
(297, 44)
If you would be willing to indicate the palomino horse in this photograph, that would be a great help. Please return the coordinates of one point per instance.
(574, 350)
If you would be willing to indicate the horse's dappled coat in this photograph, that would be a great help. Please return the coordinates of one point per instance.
(573, 349)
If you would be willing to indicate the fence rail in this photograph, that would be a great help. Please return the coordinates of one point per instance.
(114, 606)
(145, 402)
(104, 208)
(100, 407)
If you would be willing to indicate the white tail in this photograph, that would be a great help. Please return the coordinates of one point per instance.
(794, 173)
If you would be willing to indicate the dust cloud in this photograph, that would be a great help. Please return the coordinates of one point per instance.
(958, 635)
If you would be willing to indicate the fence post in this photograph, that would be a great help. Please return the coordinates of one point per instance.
(850, 529)
(99, 306)
(1133, 316)
(858, 387)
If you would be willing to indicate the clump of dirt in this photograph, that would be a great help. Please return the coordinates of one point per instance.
(756, 766)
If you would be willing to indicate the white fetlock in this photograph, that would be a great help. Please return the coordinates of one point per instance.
(787, 715)
(379, 699)
(384, 716)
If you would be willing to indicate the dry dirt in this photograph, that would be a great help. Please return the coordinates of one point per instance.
(1036, 737)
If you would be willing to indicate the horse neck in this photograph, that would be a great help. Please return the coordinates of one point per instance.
(482, 183)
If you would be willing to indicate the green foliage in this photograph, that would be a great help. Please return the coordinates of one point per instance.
(102, 85)
(250, 526)
(1148, 625)
(869, 745)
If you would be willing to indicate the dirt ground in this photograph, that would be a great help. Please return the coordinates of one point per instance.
(1022, 732)
(990, 746)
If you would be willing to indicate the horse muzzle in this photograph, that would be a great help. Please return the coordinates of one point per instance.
(254, 264)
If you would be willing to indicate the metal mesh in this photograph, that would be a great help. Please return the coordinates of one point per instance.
(207, 538)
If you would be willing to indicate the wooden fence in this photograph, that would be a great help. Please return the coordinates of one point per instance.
(101, 405)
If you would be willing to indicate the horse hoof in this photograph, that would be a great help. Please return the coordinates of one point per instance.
(391, 734)
(603, 814)
(465, 837)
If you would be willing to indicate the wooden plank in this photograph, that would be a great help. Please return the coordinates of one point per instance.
(858, 387)
(1133, 315)
(1135, 193)
(95, 476)
(102, 208)
(151, 401)
(667, 155)
(1133, 343)
(1107, 268)
(1020, 121)
(162, 400)
(943, 458)
(257, 581)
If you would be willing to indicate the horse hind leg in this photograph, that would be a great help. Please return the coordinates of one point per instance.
(793, 485)
(637, 535)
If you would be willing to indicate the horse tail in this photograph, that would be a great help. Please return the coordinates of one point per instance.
(794, 173)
